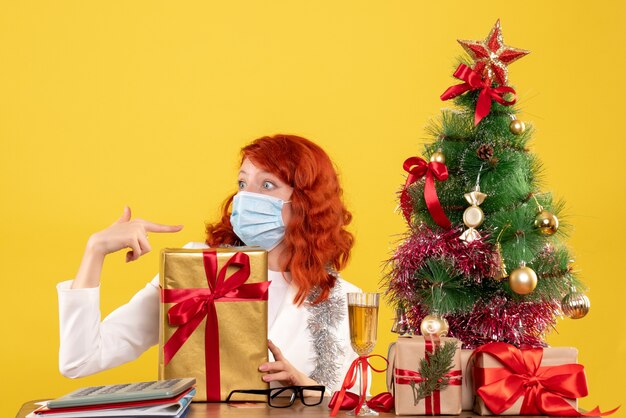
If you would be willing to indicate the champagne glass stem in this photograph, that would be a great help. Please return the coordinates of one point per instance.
(361, 401)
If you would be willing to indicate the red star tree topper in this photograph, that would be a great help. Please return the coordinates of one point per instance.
(492, 56)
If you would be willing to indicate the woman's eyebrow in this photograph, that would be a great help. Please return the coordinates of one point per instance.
(267, 173)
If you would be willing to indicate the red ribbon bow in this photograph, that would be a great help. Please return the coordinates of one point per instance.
(418, 168)
(383, 402)
(348, 382)
(544, 389)
(193, 305)
(473, 81)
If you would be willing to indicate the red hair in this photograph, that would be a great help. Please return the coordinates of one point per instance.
(315, 238)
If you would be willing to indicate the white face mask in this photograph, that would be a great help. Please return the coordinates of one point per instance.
(257, 219)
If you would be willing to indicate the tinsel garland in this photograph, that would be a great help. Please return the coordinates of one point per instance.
(474, 260)
(495, 317)
(323, 322)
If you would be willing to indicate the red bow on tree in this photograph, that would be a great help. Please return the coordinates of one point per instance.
(473, 81)
(418, 168)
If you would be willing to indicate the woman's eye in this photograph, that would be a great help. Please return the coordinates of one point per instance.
(242, 184)
(268, 185)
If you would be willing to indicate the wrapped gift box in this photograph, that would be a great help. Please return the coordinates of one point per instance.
(467, 391)
(405, 356)
(214, 318)
(489, 370)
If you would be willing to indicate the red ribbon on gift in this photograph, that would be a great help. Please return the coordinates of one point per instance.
(545, 389)
(418, 168)
(193, 305)
(432, 405)
(348, 382)
(473, 81)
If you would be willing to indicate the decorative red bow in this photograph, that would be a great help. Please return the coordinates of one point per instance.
(544, 389)
(473, 81)
(418, 167)
(193, 305)
(383, 402)
(348, 382)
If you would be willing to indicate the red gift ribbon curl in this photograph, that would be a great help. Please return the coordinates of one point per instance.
(473, 81)
(417, 168)
(545, 389)
(193, 305)
(349, 381)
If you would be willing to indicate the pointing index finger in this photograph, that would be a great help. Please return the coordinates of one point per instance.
(154, 227)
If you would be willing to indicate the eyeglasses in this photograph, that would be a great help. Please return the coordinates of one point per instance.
(284, 397)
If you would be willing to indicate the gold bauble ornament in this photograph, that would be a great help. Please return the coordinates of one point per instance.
(575, 305)
(434, 325)
(517, 127)
(546, 222)
(438, 157)
(523, 280)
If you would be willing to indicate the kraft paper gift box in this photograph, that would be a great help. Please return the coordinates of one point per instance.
(487, 369)
(467, 391)
(404, 360)
(214, 319)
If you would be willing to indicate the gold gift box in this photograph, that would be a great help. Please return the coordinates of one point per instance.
(242, 324)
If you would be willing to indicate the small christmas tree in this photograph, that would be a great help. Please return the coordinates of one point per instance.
(483, 259)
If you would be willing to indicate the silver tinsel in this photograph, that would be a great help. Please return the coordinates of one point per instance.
(323, 323)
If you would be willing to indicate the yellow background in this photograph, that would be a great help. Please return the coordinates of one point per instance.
(147, 103)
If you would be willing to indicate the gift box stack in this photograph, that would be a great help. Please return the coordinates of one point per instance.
(483, 260)
(214, 318)
(431, 375)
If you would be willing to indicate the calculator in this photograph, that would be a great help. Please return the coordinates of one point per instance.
(140, 391)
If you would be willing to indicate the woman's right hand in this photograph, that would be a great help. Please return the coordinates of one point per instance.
(124, 233)
(127, 233)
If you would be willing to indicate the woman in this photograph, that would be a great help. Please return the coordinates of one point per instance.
(288, 202)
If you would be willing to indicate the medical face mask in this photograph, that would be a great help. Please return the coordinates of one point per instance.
(257, 219)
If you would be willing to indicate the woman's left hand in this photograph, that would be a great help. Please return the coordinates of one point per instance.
(282, 371)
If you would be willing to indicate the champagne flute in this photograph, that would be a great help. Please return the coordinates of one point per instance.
(363, 318)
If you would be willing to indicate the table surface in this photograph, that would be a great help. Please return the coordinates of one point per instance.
(205, 410)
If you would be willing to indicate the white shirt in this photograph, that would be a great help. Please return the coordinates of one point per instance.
(89, 345)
